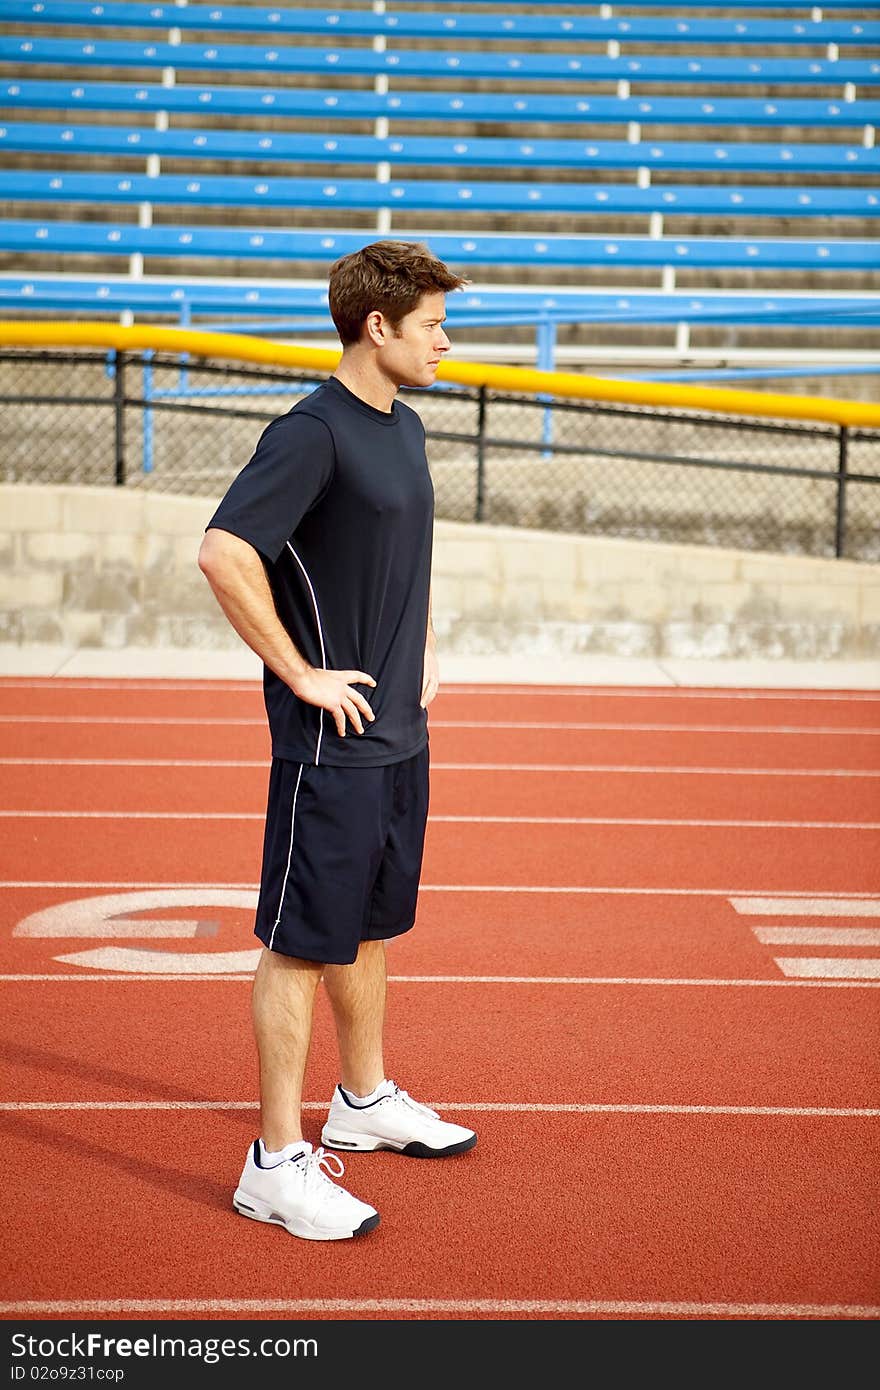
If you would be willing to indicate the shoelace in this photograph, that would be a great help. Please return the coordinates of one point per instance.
(322, 1168)
(416, 1105)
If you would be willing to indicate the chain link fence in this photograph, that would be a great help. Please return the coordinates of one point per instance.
(161, 422)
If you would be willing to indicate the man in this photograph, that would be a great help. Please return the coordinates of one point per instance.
(320, 556)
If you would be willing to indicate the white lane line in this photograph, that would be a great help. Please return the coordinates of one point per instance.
(584, 888)
(563, 691)
(256, 1307)
(141, 720)
(854, 905)
(133, 815)
(161, 977)
(639, 768)
(462, 820)
(132, 975)
(627, 769)
(665, 692)
(495, 1107)
(619, 727)
(157, 685)
(467, 888)
(653, 820)
(601, 726)
(134, 762)
(829, 967)
(818, 936)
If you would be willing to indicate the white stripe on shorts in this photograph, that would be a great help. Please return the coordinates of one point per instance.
(289, 857)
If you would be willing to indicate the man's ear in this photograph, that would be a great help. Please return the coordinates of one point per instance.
(375, 327)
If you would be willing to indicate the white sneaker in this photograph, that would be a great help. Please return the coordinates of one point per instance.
(393, 1121)
(300, 1195)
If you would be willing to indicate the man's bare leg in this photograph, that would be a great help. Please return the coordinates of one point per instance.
(357, 996)
(282, 1008)
(391, 1119)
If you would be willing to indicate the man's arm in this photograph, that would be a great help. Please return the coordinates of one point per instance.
(238, 579)
(431, 668)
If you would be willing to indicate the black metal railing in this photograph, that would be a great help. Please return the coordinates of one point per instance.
(150, 420)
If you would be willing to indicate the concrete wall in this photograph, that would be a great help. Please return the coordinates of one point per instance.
(107, 567)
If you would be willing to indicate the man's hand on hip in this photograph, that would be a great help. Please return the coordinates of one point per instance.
(333, 691)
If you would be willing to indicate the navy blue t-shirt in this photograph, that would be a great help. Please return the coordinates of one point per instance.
(338, 501)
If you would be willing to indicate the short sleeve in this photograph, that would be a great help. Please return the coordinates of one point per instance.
(289, 471)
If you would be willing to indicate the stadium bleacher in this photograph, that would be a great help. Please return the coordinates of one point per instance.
(664, 179)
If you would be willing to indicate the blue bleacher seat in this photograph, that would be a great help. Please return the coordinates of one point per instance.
(443, 23)
(223, 299)
(483, 107)
(475, 152)
(270, 92)
(115, 239)
(223, 190)
(801, 6)
(654, 66)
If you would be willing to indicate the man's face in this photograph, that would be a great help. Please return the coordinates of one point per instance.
(412, 352)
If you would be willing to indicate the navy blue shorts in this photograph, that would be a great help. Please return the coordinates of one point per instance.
(342, 856)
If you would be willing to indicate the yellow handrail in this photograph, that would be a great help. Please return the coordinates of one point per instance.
(239, 347)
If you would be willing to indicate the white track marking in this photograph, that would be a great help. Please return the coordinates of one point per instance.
(134, 762)
(238, 977)
(653, 768)
(256, 1308)
(591, 888)
(100, 721)
(170, 976)
(555, 768)
(829, 967)
(159, 684)
(817, 936)
(475, 888)
(495, 1107)
(700, 824)
(665, 692)
(852, 906)
(108, 916)
(131, 959)
(602, 726)
(618, 727)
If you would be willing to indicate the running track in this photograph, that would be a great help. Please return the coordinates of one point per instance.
(645, 968)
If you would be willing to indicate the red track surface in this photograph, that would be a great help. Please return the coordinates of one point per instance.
(646, 969)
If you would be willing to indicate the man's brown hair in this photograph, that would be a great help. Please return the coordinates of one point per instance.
(388, 276)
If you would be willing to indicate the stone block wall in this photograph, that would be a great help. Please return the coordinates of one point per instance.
(111, 567)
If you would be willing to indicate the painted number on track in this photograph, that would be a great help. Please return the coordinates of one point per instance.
(109, 918)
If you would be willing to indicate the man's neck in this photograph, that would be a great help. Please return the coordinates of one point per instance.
(364, 381)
